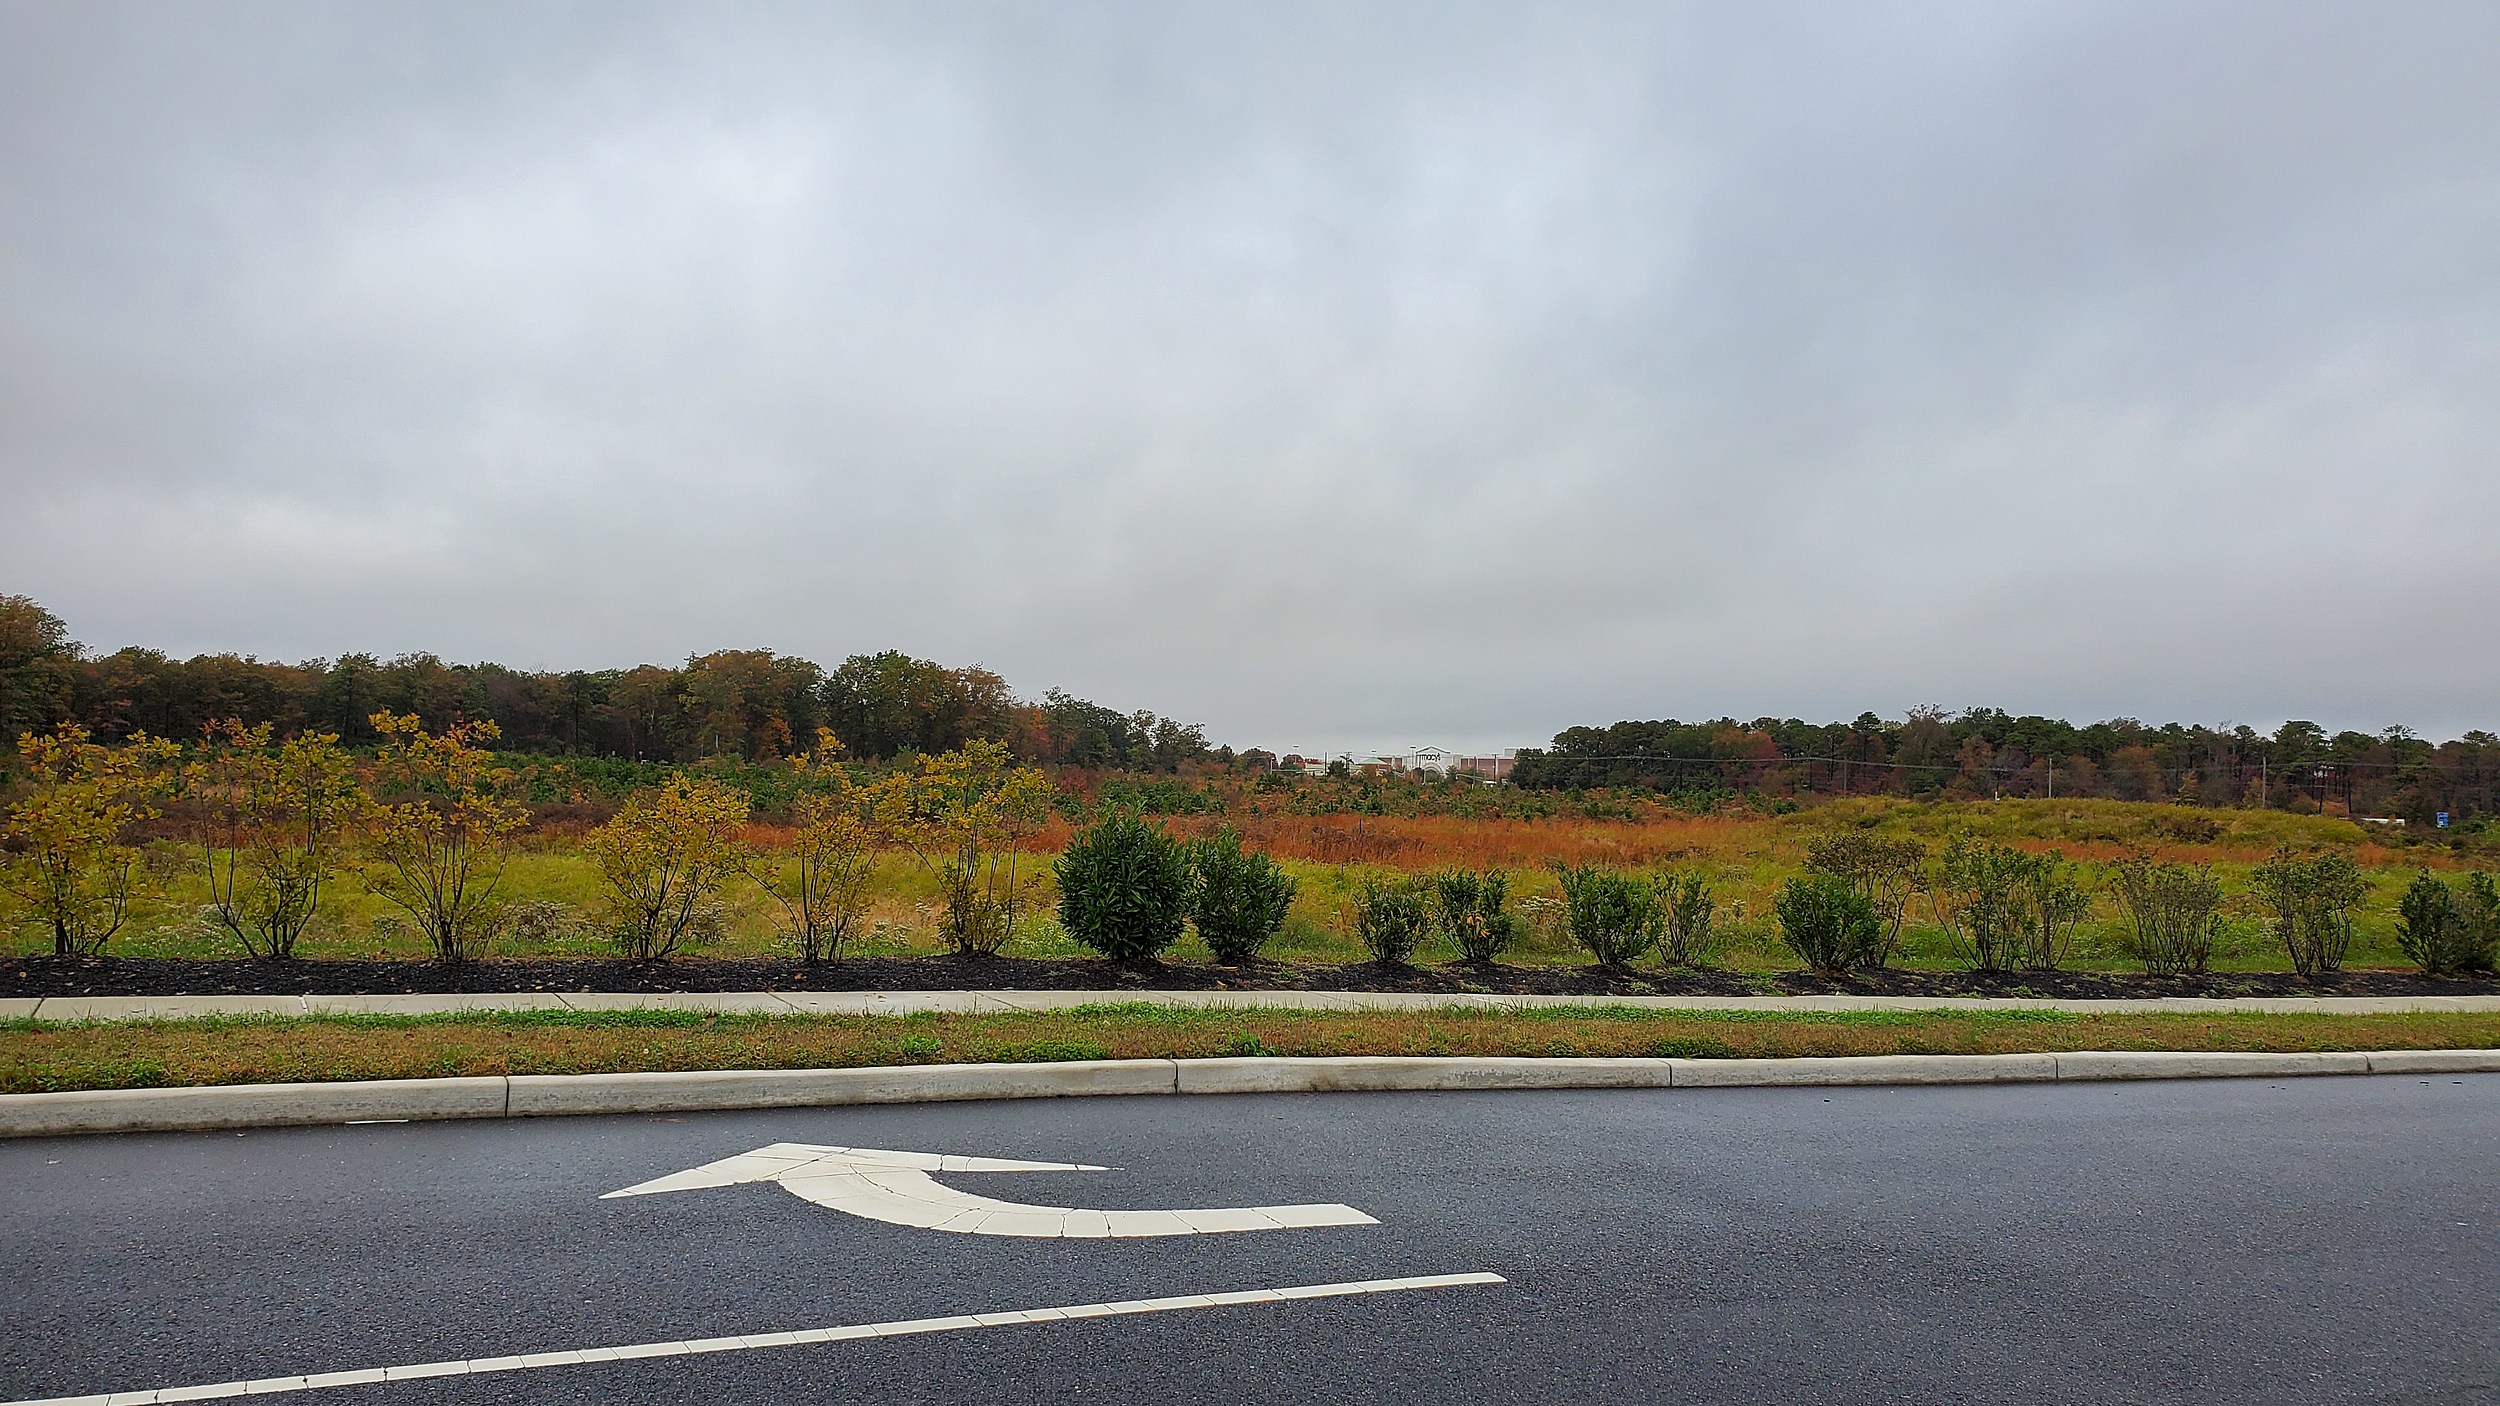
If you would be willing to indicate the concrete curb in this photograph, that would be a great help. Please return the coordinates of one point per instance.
(70, 1008)
(529, 1095)
(249, 1106)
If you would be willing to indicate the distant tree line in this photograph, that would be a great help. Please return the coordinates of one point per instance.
(1987, 752)
(746, 703)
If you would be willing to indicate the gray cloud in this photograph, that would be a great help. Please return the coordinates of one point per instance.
(1336, 375)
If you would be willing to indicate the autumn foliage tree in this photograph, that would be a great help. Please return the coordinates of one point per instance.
(38, 663)
(822, 888)
(74, 874)
(665, 857)
(274, 819)
(965, 815)
(441, 836)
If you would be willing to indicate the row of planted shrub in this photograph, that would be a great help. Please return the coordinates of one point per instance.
(1126, 888)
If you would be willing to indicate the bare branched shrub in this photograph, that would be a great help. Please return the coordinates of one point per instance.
(665, 857)
(440, 838)
(2310, 901)
(2176, 912)
(966, 814)
(274, 817)
(823, 891)
(2003, 908)
(71, 869)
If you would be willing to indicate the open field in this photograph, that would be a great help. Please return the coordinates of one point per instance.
(1745, 854)
(36, 1057)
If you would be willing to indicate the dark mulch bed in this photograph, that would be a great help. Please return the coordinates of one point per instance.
(149, 976)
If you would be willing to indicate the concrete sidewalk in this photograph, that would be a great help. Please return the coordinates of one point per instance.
(70, 1008)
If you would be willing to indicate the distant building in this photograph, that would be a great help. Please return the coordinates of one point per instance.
(1442, 761)
(1431, 761)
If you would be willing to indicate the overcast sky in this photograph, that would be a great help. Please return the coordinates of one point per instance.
(1350, 375)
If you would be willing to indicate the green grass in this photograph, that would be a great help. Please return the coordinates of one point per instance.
(47, 1056)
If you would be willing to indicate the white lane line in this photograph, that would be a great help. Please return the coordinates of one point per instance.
(262, 1386)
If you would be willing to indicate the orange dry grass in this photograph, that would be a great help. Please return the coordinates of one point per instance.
(1439, 841)
(1435, 841)
(1050, 839)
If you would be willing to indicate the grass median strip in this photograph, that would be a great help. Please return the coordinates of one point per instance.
(51, 1057)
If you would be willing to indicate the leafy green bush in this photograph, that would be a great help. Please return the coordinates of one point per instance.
(1977, 892)
(2176, 911)
(1884, 872)
(1687, 907)
(2052, 904)
(666, 856)
(1392, 919)
(1124, 888)
(2445, 931)
(2312, 899)
(1831, 925)
(1472, 911)
(1611, 913)
(1241, 899)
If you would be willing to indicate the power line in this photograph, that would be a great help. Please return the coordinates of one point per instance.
(2283, 768)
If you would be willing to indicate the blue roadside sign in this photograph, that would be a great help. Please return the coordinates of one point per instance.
(2443, 820)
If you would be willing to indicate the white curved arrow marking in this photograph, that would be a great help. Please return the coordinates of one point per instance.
(895, 1187)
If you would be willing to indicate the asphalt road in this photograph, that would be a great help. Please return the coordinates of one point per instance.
(2312, 1240)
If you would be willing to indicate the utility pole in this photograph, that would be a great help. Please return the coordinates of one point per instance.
(2052, 781)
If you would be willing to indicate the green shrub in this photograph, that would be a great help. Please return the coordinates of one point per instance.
(1391, 918)
(1124, 888)
(1241, 899)
(1882, 871)
(2311, 900)
(1831, 925)
(2175, 911)
(1612, 914)
(2052, 904)
(666, 856)
(2479, 909)
(1687, 908)
(1472, 911)
(2445, 931)
(1977, 892)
